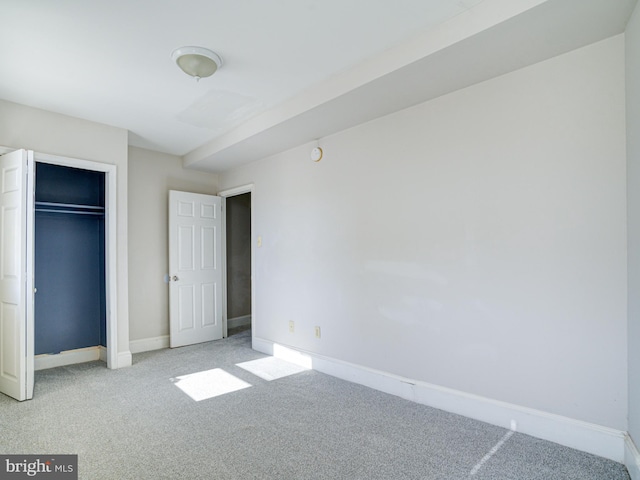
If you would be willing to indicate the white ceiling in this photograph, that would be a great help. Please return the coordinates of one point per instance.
(109, 60)
(294, 70)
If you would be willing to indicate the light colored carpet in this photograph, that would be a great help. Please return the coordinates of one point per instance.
(136, 423)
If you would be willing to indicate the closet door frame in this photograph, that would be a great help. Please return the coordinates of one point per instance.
(109, 241)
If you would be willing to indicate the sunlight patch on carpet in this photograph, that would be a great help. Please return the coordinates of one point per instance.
(271, 368)
(209, 384)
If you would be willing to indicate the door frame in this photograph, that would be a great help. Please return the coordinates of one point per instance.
(110, 223)
(232, 192)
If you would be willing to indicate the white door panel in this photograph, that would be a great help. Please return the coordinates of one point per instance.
(194, 268)
(16, 274)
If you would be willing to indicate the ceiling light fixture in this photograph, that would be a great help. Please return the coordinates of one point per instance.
(197, 62)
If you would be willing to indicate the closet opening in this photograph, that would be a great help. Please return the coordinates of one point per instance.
(70, 301)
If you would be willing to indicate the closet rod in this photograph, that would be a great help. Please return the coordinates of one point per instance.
(51, 210)
(68, 205)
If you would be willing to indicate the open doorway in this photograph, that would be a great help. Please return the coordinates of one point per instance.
(238, 263)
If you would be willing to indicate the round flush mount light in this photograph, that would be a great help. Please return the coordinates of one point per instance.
(197, 62)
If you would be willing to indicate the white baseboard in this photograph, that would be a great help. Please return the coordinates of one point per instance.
(69, 357)
(632, 458)
(124, 360)
(239, 321)
(588, 437)
(81, 355)
(149, 344)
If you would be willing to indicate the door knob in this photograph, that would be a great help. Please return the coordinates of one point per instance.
(175, 278)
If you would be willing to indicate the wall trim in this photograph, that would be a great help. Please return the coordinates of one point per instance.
(632, 458)
(124, 360)
(587, 437)
(149, 344)
(239, 321)
(80, 355)
(111, 244)
(68, 357)
(232, 192)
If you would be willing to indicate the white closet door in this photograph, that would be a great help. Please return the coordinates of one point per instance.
(16, 274)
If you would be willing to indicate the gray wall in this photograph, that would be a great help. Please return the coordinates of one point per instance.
(238, 256)
(476, 241)
(151, 176)
(633, 194)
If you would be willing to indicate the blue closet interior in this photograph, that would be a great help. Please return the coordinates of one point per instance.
(70, 298)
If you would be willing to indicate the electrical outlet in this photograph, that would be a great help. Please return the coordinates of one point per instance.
(317, 331)
(259, 242)
(292, 326)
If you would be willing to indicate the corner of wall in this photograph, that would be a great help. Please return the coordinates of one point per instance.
(632, 458)
(632, 81)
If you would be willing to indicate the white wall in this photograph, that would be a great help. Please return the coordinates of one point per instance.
(477, 241)
(52, 133)
(632, 35)
(151, 176)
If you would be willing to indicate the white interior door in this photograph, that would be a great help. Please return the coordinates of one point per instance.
(16, 274)
(195, 270)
